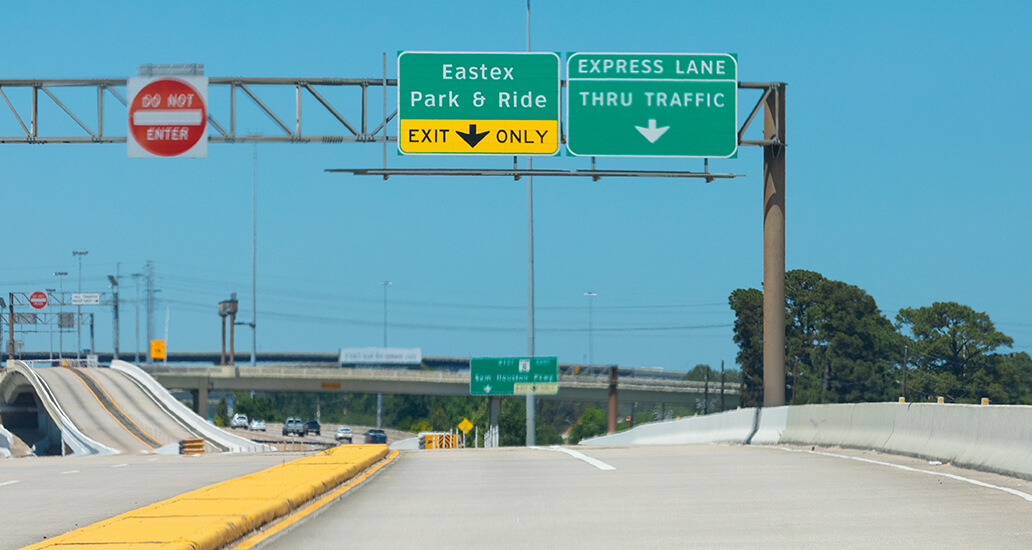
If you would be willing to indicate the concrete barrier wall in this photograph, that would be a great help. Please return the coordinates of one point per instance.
(726, 427)
(232, 443)
(59, 427)
(771, 425)
(6, 440)
(995, 438)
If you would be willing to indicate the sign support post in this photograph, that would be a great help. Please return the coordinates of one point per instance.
(774, 248)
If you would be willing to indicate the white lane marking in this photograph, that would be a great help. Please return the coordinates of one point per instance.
(119, 465)
(593, 461)
(8, 483)
(70, 472)
(1014, 492)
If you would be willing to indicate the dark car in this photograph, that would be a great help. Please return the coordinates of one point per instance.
(376, 436)
(312, 427)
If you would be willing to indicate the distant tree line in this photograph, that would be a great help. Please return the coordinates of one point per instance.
(840, 348)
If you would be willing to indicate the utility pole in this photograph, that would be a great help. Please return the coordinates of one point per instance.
(78, 321)
(149, 274)
(722, 409)
(114, 287)
(254, 257)
(379, 396)
(591, 322)
(906, 364)
(705, 392)
(136, 341)
(60, 329)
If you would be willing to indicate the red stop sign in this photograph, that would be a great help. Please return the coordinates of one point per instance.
(38, 300)
(168, 117)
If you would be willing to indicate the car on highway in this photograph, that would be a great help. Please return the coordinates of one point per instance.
(238, 421)
(257, 425)
(375, 435)
(294, 426)
(312, 427)
(343, 433)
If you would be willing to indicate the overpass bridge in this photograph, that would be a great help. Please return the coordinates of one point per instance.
(587, 385)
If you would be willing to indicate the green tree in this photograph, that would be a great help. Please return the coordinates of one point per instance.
(838, 345)
(222, 412)
(590, 424)
(748, 334)
(952, 348)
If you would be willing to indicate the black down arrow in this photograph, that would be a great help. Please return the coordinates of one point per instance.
(472, 138)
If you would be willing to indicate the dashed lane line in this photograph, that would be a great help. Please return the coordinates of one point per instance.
(593, 461)
(954, 477)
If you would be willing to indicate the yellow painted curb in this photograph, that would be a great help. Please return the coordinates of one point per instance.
(311, 507)
(218, 514)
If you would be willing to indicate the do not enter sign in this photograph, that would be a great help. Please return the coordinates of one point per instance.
(168, 117)
(38, 300)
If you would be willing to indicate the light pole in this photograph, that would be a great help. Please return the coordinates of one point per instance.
(591, 323)
(113, 279)
(60, 330)
(385, 284)
(136, 342)
(78, 328)
(379, 396)
(50, 292)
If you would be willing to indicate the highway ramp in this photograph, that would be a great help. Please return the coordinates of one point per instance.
(112, 410)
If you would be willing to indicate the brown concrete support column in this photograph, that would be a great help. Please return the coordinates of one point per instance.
(774, 249)
(200, 401)
(613, 378)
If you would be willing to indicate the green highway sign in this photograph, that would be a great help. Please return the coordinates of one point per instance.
(478, 103)
(652, 105)
(513, 376)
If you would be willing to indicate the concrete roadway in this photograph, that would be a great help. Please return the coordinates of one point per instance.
(47, 496)
(694, 496)
(667, 497)
(86, 411)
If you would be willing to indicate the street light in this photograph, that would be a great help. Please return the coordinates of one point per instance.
(385, 284)
(379, 396)
(136, 342)
(60, 330)
(50, 293)
(78, 321)
(591, 327)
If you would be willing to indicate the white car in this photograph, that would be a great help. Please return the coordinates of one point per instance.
(257, 425)
(238, 421)
(343, 432)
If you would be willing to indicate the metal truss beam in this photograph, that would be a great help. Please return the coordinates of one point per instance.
(34, 130)
(516, 173)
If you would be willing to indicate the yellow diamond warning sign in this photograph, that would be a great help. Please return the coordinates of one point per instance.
(499, 137)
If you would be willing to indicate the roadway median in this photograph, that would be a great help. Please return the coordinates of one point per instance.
(214, 516)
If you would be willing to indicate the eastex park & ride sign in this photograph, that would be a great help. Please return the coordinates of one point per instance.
(478, 103)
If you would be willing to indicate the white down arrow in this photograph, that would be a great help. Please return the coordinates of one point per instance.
(652, 133)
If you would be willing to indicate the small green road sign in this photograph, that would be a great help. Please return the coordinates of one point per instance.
(513, 376)
(478, 103)
(652, 105)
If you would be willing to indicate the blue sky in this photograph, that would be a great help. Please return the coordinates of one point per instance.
(908, 146)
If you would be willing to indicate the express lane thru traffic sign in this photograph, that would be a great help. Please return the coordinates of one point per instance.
(652, 105)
